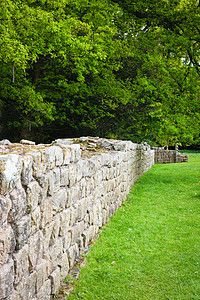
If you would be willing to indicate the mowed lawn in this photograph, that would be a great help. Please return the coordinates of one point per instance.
(150, 249)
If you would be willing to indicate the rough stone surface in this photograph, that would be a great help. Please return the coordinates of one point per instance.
(53, 200)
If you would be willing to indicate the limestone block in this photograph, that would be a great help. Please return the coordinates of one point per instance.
(7, 243)
(59, 200)
(21, 263)
(74, 254)
(46, 212)
(64, 266)
(55, 230)
(55, 280)
(10, 171)
(72, 174)
(47, 231)
(67, 240)
(35, 244)
(48, 158)
(41, 273)
(38, 167)
(91, 232)
(14, 296)
(73, 194)
(26, 287)
(45, 292)
(53, 181)
(35, 220)
(80, 170)
(22, 229)
(6, 279)
(64, 176)
(64, 221)
(34, 195)
(19, 204)
(27, 171)
(55, 252)
(76, 231)
(59, 156)
(86, 238)
(82, 185)
(5, 206)
(66, 155)
(75, 152)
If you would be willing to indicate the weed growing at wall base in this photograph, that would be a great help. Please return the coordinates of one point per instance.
(150, 249)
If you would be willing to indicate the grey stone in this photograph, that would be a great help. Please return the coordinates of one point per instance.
(18, 204)
(46, 212)
(35, 220)
(27, 142)
(6, 279)
(5, 142)
(21, 263)
(55, 280)
(59, 200)
(10, 171)
(41, 274)
(27, 171)
(27, 287)
(35, 249)
(7, 243)
(34, 195)
(5, 206)
(22, 229)
(45, 291)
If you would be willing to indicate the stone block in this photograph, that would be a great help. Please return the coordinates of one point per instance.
(66, 155)
(67, 238)
(35, 251)
(10, 171)
(74, 254)
(19, 205)
(7, 243)
(64, 266)
(59, 200)
(72, 174)
(35, 220)
(55, 252)
(5, 206)
(34, 195)
(22, 229)
(27, 171)
(55, 230)
(46, 212)
(41, 274)
(37, 165)
(64, 221)
(21, 263)
(45, 292)
(47, 232)
(27, 287)
(55, 280)
(6, 279)
(53, 181)
(64, 176)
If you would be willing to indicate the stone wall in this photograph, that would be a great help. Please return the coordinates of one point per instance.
(53, 200)
(162, 156)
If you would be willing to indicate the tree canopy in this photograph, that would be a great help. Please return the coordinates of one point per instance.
(122, 69)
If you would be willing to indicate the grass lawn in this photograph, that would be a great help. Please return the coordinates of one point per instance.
(150, 249)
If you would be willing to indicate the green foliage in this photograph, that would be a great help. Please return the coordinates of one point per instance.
(107, 68)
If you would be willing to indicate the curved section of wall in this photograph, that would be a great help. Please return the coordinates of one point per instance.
(53, 200)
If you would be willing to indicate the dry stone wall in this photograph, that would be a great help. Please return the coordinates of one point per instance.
(162, 156)
(53, 200)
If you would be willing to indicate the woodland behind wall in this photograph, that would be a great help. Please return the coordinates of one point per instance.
(53, 200)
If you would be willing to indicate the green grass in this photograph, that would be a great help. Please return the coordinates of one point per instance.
(151, 247)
